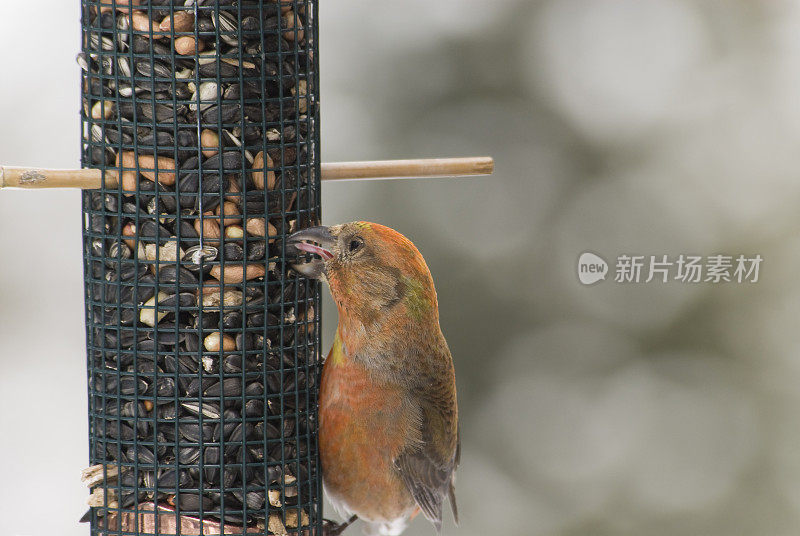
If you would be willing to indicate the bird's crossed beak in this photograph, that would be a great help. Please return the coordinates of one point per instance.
(315, 240)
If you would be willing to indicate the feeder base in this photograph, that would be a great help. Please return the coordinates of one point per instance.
(145, 521)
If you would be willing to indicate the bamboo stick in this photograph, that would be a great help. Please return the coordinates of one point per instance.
(31, 178)
(16, 177)
(401, 169)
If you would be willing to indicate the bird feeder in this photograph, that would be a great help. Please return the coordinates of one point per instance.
(201, 149)
(203, 349)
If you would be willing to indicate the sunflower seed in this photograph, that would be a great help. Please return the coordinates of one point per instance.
(227, 28)
(207, 409)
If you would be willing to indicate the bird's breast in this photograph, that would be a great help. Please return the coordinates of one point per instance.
(363, 427)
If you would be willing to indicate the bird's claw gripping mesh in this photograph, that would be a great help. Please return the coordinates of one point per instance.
(203, 347)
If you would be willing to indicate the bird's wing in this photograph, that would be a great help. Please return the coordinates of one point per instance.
(427, 466)
(426, 483)
(452, 490)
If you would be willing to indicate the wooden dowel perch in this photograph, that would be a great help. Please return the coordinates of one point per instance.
(19, 177)
(401, 169)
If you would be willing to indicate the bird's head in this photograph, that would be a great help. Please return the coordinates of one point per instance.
(370, 268)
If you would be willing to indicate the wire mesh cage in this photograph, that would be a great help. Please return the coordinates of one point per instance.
(203, 348)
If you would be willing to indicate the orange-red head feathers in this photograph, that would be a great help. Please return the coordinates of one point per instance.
(371, 269)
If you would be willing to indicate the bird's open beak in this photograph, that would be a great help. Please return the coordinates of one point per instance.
(315, 240)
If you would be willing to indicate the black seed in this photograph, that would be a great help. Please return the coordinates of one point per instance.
(145, 455)
(232, 363)
(170, 338)
(256, 251)
(274, 383)
(149, 345)
(211, 459)
(149, 228)
(160, 139)
(192, 342)
(209, 70)
(165, 387)
(196, 433)
(187, 229)
(191, 502)
(222, 113)
(230, 161)
(188, 186)
(228, 387)
(230, 418)
(232, 320)
(117, 430)
(196, 385)
(168, 412)
(254, 389)
(255, 320)
(233, 252)
(183, 364)
(254, 408)
(170, 274)
(240, 432)
(172, 478)
(231, 474)
(188, 455)
(129, 271)
(183, 300)
(129, 385)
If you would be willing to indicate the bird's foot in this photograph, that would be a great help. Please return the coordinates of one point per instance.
(335, 529)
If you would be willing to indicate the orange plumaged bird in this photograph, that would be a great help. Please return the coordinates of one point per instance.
(388, 418)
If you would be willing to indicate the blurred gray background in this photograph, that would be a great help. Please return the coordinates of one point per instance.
(619, 126)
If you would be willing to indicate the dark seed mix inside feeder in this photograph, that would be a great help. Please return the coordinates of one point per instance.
(203, 348)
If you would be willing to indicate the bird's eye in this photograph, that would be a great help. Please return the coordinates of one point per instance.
(355, 244)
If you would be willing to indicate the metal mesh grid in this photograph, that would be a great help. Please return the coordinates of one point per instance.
(203, 348)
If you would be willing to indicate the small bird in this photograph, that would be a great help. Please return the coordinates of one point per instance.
(388, 417)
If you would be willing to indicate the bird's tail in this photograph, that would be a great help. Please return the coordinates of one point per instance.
(453, 505)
